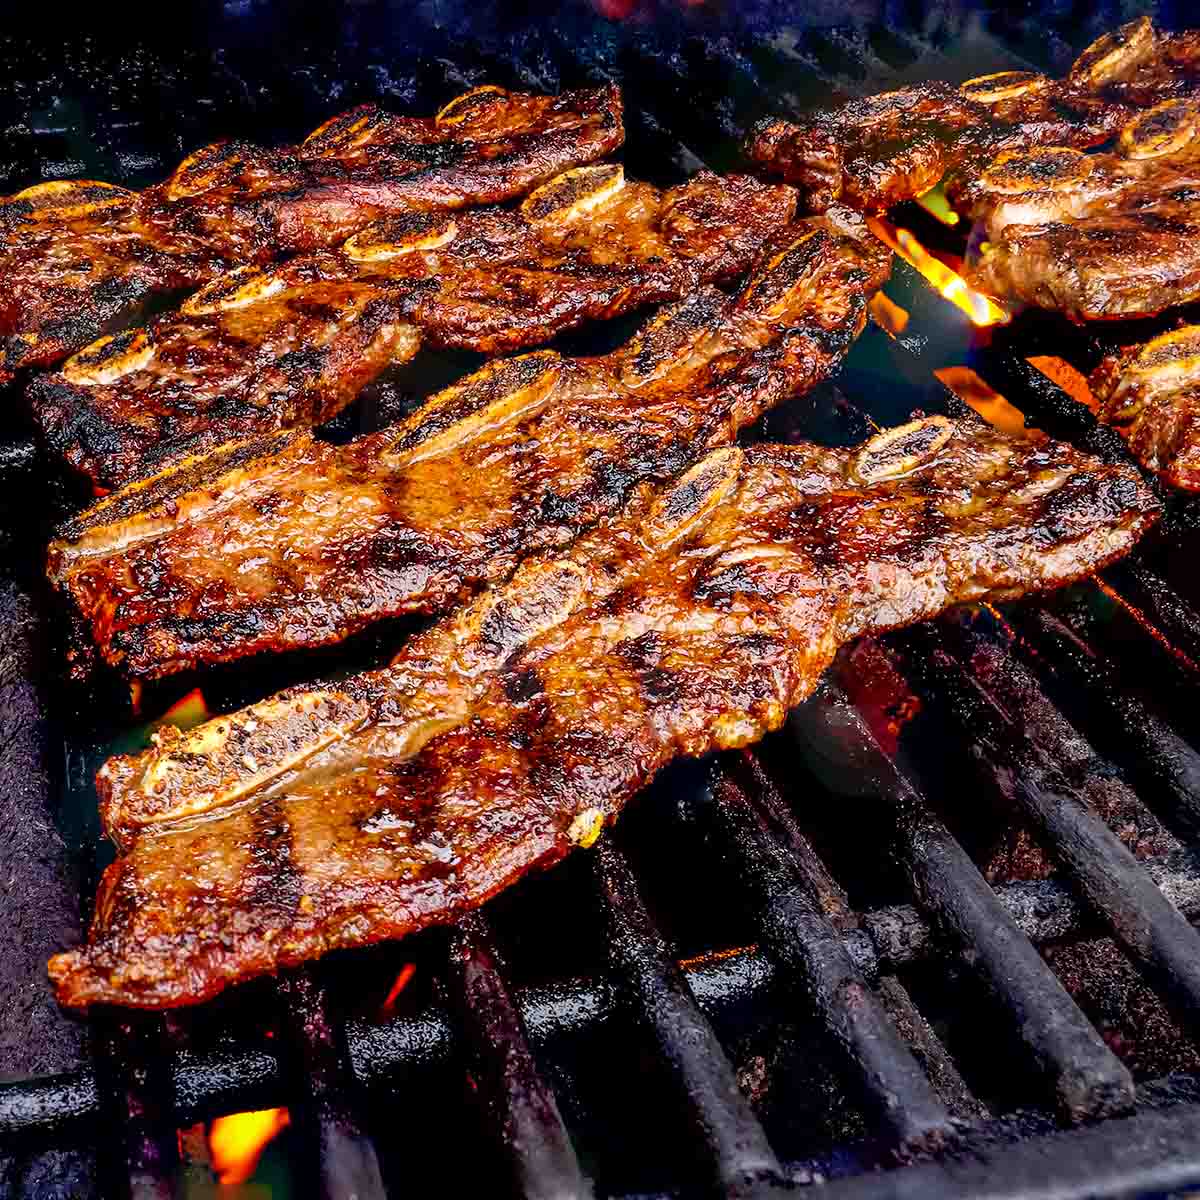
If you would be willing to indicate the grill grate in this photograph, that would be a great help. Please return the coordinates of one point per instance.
(818, 958)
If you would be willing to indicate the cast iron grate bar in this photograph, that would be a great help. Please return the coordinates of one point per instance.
(1147, 1155)
(316, 1064)
(521, 1107)
(751, 778)
(133, 1075)
(67, 1106)
(1084, 1077)
(650, 978)
(794, 930)
(962, 1104)
(1162, 763)
(1145, 923)
(1169, 612)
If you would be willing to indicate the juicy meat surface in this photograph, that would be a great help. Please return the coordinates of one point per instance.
(76, 260)
(512, 730)
(284, 542)
(263, 349)
(1095, 236)
(1151, 395)
(79, 258)
(876, 151)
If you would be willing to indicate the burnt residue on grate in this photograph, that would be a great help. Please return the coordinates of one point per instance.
(39, 900)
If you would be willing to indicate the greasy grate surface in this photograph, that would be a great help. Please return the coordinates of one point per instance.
(855, 904)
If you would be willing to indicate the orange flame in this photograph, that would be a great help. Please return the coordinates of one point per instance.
(237, 1142)
(934, 202)
(987, 402)
(982, 310)
(187, 711)
(1073, 382)
(888, 315)
(388, 1007)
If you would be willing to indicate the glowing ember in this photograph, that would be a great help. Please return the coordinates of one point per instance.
(987, 402)
(236, 1143)
(889, 316)
(188, 711)
(1073, 382)
(388, 1007)
(1144, 621)
(934, 202)
(982, 310)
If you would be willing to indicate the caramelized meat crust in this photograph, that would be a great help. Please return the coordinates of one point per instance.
(288, 542)
(265, 349)
(1151, 395)
(511, 731)
(1096, 236)
(874, 152)
(79, 259)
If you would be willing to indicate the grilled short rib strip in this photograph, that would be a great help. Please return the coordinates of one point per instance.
(264, 349)
(876, 151)
(81, 258)
(512, 730)
(284, 542)
(1095, 236)
(1151, 395)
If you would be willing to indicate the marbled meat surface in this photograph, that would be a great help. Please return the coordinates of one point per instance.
(1095, 236)
(286, 541)
(80, 258)
(514, 729)
(1151, 395)
(876, 151)
(264, 349)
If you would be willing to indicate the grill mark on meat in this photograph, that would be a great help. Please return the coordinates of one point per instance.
(486, 280)
(485, 741)
(413, 518)
(80, 258)
(272, 883)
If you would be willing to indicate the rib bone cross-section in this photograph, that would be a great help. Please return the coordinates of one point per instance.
(875, 151)
(511, 731)
(287, 541)
(81, 258)
(1095, 236)
(263, 349)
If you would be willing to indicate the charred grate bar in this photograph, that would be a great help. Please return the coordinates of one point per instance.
(316, 1058)
(804, 942)
(520, 1106)
(899, 936)
(739, 1156)
(1083, 1077)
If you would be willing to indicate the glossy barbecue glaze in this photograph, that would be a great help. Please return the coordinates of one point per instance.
(294, 542)
(1151, 394)
(1095, 236)
(79, 258)
(514, 729)
(263, 349)
(874, 152)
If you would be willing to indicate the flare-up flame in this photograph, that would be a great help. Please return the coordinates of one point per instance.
(982, 310)
(236, 1143)
(387, 1009)
(934, 202)
(888, 315)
